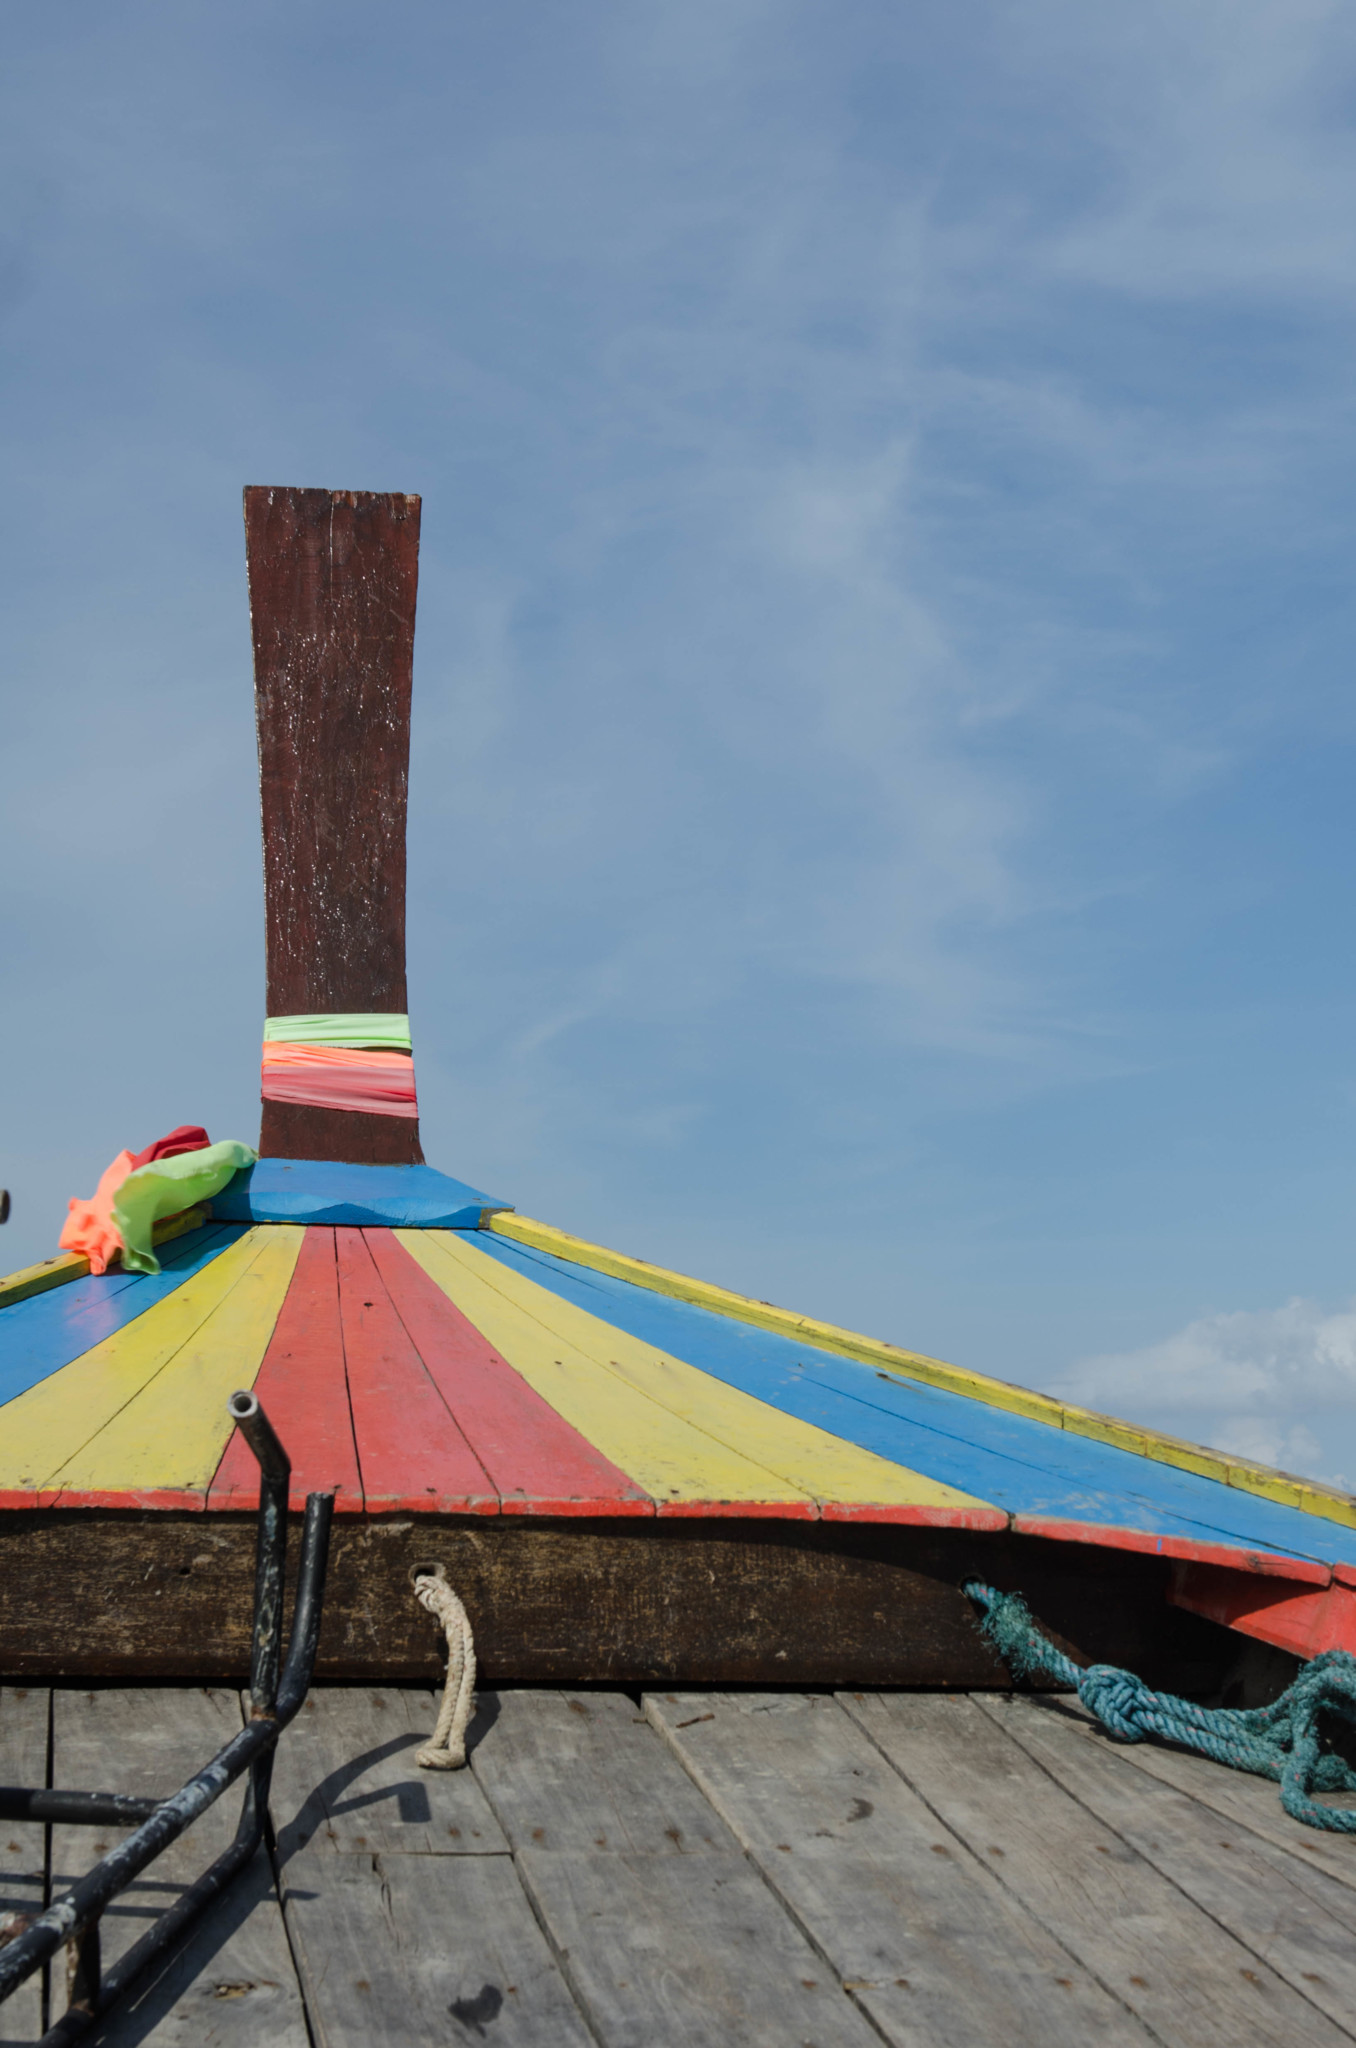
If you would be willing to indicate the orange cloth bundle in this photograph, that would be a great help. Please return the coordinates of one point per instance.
(89, 1227)
(339, 1077)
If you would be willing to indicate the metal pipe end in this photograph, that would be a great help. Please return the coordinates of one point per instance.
(243, 1406)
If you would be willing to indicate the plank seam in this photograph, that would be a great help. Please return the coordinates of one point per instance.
(1013, 1897)
(1232, 1933)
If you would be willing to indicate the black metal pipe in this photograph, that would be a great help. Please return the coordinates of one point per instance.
(81, 1809)
(66, 1918)
(275, 1473)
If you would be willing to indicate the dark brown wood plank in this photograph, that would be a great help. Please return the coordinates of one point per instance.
(920, 1933)
(234, 1981)
(623, 1602)
(333, 577)
(23, 1847)
(1190, 1981)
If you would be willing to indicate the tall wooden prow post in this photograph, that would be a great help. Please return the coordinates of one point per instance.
(332, 579)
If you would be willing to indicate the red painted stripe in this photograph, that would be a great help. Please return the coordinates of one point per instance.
(915, 1515)
(411, 1452)
(303, 1389)
(1287, 1612)
(1236, 1556)
(539, 1462)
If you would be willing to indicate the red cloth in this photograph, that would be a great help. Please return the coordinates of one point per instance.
(184, 1138)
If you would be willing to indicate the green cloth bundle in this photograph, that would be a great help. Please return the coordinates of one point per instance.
(167, 1186)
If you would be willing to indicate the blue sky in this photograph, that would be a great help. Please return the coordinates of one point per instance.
(881, 823)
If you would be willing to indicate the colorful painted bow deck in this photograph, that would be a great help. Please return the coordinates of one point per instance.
(500, 1368)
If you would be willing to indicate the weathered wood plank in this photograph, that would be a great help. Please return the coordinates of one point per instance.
(922, 1935)
(665, 1931)
(690, 1951)
(1192, 1983)
(345, 1780)
(234, 1981)
(1299, 1922)
(23, 1848)
(423, 1951)
(634, 1601)
(585, 1772)
(1236, 1796)
(333, 578)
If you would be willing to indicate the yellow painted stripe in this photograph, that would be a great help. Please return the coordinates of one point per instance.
(805, 1460)
(173, 1430)
(1249, 1477)
(74, 1265)
(41, 1430)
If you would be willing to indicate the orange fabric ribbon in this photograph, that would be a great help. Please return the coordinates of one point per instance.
(338, 1077)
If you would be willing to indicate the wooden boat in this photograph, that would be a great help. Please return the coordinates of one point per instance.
(629, 1475)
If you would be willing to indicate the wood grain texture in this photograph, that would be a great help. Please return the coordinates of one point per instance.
(23, 1847)
(663, 1929)
(582, 1773)
(303, 1388)
(1234, 1796)
(1299, 1923)
(921, 1934)
(537, 1463)
(425, 1952)
(1190, 1981)
(333, 577)
(411, 1452)
(346, 1782)
(234, 1981)
(646, 1602)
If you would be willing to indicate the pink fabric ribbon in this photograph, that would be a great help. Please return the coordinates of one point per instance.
(334, 1077)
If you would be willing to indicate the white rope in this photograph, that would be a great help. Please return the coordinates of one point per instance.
(447, 1750)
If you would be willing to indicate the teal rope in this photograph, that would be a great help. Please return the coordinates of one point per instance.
(1282, 1741)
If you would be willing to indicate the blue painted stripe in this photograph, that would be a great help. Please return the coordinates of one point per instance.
(40, 1335)
(1022, 1465)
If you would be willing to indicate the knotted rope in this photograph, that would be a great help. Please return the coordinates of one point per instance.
(1283, 1741)
(447, 1750)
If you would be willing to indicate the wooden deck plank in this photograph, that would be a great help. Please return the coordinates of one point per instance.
(425, 1951)
(166, 1441)
(411, 1452)
(303, 1388)
(922, 1934)
(538, 1462)
(46, 1427)
(585, 1772)
(1191, 1982)
(1299, 1922)
(690, 1951)
(808, 1460)
(1236, 1796)
(346, 1781)
(663, 1927)
(23, 1847)
(682, 1466)
(234, 1982)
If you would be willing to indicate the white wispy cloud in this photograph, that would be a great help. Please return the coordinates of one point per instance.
(1278, 1385)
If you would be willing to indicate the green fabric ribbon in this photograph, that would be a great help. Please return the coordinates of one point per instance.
(383, 1030)
(164, 1188)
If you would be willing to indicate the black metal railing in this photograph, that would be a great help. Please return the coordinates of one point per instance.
(277, 1691)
